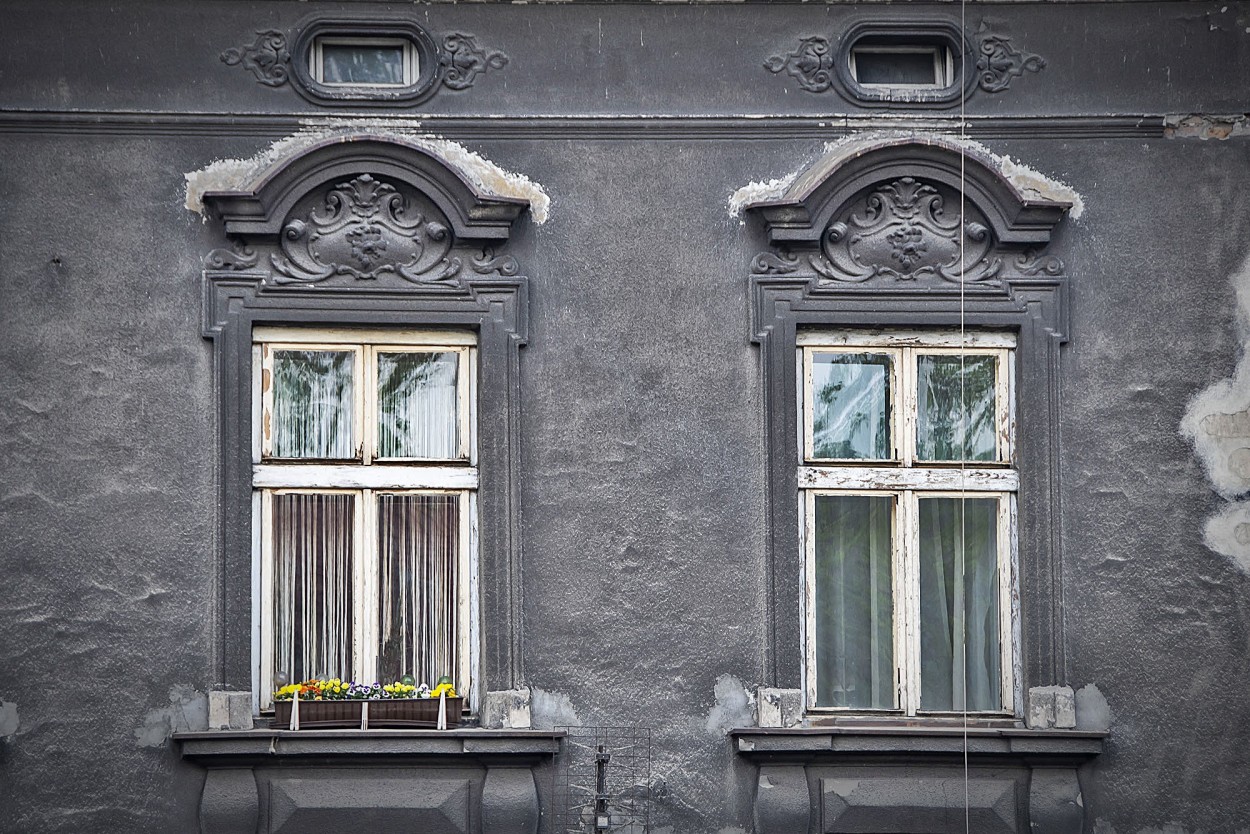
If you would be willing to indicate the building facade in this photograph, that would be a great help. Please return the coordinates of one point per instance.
(832, 415)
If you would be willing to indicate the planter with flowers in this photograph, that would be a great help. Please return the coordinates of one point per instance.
(333, 703)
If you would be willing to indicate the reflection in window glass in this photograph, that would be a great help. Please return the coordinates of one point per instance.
(417, 405)
(851, 398)
(959, 636)
(955, 408)
(854, 602)
(313, 554)
(418, 545)
(313, 403)
(362, 64)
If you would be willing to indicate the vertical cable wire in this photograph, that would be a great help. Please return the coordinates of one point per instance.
(963, 404)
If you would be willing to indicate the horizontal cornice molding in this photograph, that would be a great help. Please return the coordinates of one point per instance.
(498, 127)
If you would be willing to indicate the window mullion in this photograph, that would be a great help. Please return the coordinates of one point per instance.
(366, 403)
(907, 405)
(908, 554)
(266, 601)
(364, 652)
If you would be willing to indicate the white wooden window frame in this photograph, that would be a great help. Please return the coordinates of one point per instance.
(365, 477)
(411, 63)
(943, 65)
(907, 480)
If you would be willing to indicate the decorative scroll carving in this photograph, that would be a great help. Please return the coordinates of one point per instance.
(489, 263)
(774, 263)
(266, 58)
(1035, 263)
(811, 64)
(902, 230)
(1000, 62)
(463, 60)
(365, 229)
(240, 257)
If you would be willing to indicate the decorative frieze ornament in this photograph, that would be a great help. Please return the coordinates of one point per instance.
(999, 62)
(903, 230)
(366, 228)
(463, 60)
(266, 58)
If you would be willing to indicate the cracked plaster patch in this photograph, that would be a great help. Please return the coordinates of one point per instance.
(1031, 184)
(239, 174)
(8, 719)
(187, 712)
(1217, 422)
(733, 707)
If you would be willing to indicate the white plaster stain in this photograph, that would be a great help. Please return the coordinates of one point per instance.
(1030, 183)
(240, 174)
(8, 719)
(187, 712)
(552, 709)
(733, 707)
(1217, 422)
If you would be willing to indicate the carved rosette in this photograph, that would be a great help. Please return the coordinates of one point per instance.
(366, 228)
(903, 231)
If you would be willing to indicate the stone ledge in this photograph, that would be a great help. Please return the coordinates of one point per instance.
(274, 746)
(854, 743)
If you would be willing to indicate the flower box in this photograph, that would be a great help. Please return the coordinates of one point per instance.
(388, 713)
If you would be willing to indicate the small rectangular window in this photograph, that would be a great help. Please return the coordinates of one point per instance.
(364, 62)
(927, 67)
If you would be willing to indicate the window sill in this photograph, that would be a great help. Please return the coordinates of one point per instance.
(276, 747)
(855, 742)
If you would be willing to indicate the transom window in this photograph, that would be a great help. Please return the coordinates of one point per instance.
(908, 491)
(363, 62)
(364, 486)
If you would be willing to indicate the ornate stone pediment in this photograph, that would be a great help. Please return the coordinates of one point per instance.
(907, 213)
(364, 214)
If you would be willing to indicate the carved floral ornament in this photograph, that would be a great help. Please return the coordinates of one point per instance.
(907, 230)
(365, 229)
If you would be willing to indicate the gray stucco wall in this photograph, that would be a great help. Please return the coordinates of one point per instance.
(643, 472)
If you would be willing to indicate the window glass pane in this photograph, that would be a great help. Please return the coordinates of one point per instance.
(955, 408)
(313, 403)
(851, 406)
(959, 619)
(418, 547)
(362, 64)
(313, 553)
(896, 68)
(854, 602)
(417, 405)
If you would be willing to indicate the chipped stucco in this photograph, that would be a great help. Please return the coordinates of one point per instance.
(187, 711)
(239, 174)
(1031, 184)
(552, 709)
(1217, 423)
(734, 706)
(8, 719)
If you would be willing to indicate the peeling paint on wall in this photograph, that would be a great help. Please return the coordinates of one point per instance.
(187, 712)
(1032, 184)
(8, 719)
(1205, 126)
(1217, 422)
(734, 706)
(552, 709)
(240, 174)
(1092, 710)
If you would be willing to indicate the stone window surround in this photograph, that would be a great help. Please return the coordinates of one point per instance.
(479, 292)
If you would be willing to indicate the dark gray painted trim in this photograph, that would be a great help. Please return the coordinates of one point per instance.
(281, 745)
(238, 296)
(498, 127)
(1025, 298)
(859, 745)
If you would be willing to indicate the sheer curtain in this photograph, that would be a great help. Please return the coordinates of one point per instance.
(313, 404)
(418, 549)
(313, 556)
(417, 415)
(959, 604)
(854, 602)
